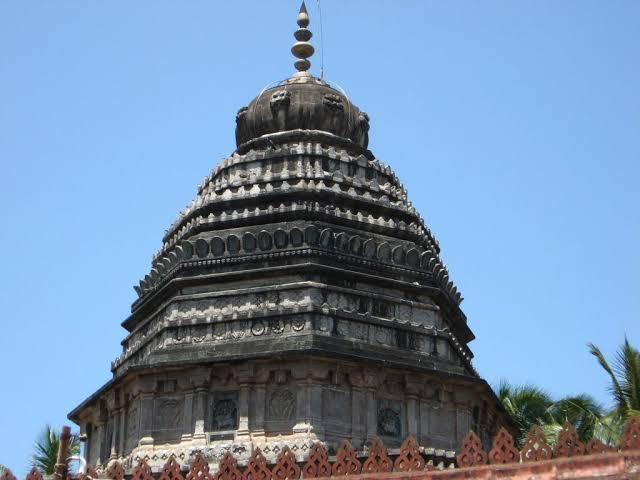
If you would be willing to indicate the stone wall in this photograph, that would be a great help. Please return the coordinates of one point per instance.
(290, 402)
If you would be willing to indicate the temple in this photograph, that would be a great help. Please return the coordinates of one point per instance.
(299, 298)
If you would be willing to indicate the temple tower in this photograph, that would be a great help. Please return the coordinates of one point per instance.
(299, 298)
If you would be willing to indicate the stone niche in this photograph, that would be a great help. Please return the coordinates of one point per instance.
(294, 402)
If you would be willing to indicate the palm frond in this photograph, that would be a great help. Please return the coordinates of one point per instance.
(582, 411)
(609, 428)
(46, 449)
(615, 388)
(628, 365)
(526, 404)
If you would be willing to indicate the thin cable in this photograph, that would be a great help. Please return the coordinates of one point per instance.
(321, 42)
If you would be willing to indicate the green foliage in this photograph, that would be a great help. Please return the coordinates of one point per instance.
(582, 411)
(46, 449)
(624, 386)
(529, 405)
(624, 374)
(526, 404)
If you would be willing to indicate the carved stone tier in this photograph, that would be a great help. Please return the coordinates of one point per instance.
(289, 401)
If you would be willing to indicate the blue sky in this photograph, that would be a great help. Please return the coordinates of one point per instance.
(513, 124)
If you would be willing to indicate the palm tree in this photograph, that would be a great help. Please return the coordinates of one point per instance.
(624, 374)
(46, 449)
(582, 411)
(526, 404)
(529, 405)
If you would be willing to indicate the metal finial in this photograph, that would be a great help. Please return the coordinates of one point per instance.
(302, 49)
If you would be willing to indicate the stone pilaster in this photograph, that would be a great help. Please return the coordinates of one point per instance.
(96, 443)
(147, 392)
(187, 417)
(412, 394)
(463, 400)
(371, 382)
(316, 380)
(259, 405)
(301, 389)
(243, 413)
(121, 429)
(358, 408)
(244, 376)
(200, 381)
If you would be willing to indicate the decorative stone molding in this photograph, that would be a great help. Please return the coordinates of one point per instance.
(317, 464)
(171, 470)
(34, 474)
(471, 452)
(410, 459)
(115, 471)
(362, 316)
(347, 462)
(142, 471)
(223, 247)
(234, 464)
(503, 450)
(7, 475)
(312, 159)
(257, 468)
(378, 460)
(631, 438)
(228, 469)
(286, 467)
(568, 443)
(535, 446)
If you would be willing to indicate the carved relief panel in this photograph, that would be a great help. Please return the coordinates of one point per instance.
(281, 409)
(224, 412)
(167, 417)
(389, 418)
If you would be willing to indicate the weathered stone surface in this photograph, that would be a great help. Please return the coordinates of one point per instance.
(300, 298)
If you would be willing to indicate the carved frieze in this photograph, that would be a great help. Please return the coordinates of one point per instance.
(281, 404)
(224, 412)
(167, 416)
(389, 419)
(400, 254)
(210, 321)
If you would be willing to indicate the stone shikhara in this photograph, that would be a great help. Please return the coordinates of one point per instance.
(300, 298)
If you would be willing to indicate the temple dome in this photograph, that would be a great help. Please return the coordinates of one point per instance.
(299, 298)
(302, 102)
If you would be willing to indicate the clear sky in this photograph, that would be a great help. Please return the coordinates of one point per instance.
(514, 125)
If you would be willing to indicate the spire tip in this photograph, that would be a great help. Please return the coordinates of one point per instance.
(302, 49)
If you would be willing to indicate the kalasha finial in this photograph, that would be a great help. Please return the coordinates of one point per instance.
(302, 49)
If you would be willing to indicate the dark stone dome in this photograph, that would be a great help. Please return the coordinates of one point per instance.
(302, 103)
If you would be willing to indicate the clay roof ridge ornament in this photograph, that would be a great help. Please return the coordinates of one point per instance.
(302, 49)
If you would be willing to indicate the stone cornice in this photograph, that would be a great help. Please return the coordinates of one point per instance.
(220, 181)
(374, 252)
(173, 281)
